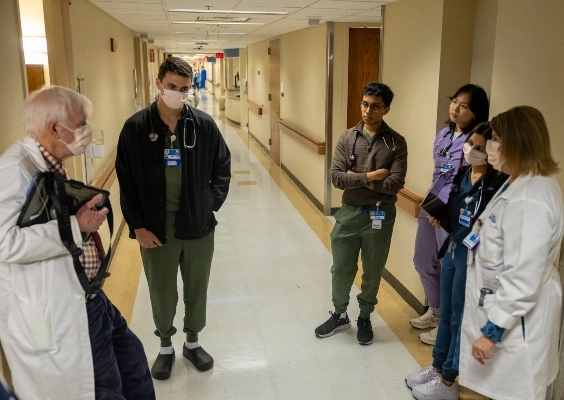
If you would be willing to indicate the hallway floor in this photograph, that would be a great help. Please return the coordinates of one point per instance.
(270, 287)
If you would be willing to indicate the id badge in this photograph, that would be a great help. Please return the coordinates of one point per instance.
(445, 167)
(471, 241)
(377, 215)
(465, 218)
(172, 157)
(376, 224)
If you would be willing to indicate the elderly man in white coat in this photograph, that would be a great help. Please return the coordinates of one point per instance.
(509, 341)
(59, 343)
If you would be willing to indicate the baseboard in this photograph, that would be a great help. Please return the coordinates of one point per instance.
(404, 292)
(254, 139)
(309, 195)
(233, 121)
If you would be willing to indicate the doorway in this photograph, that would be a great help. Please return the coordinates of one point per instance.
(35, 77)
(364, 58)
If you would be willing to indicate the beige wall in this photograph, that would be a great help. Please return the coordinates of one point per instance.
(484, 43)
(153, 71)
(12, 68)
(426, 56)
(109, 88)
(303, 104)
(528, 64)
(258, 70)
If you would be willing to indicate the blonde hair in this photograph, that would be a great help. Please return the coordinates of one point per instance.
(53, 103)
(525, 141)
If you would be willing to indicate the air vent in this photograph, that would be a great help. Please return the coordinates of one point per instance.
(222, 19)
(201, 43)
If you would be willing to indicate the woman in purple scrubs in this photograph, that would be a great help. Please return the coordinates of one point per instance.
(468, 108)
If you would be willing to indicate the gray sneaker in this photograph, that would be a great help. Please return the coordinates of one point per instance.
(427, 320)
(429, 337)
(421, 377)
(435, 389)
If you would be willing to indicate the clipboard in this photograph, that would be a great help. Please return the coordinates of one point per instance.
(434, 206)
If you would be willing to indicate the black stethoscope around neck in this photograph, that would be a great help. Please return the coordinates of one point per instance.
(352, 157)
(153, 136)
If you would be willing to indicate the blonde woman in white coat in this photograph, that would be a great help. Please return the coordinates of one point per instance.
(509, 340)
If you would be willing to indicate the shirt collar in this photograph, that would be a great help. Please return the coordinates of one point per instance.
(52, 163)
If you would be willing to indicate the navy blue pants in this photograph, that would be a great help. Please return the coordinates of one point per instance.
(453, 288)
(6, 394)
(121, 370)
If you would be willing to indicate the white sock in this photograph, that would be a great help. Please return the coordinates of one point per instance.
(191, 346)
(344, 315)
(436, 311)
(167, 350)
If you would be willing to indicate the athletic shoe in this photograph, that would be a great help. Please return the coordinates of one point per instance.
(421, 377)
(427, 320)
(364, 336)
(333, 325)
(435, 389)
(429, 337)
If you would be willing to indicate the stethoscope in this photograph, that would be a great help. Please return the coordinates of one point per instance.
(470, 199)
(352, 157)
(444, 150)
(153, 136)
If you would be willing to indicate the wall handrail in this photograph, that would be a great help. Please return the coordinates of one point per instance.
(254, 107)
(409, 202)
(310, 142)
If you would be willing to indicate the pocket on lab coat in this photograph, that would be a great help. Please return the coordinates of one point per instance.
(30, 326)
(513, 337)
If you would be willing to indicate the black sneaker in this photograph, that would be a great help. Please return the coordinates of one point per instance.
(364, 335)
(332, 325)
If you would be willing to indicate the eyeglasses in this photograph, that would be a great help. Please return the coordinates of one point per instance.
(373, 107)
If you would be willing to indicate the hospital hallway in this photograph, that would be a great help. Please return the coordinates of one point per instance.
(270, 287)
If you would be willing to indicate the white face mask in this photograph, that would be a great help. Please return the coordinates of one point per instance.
(173, 99)
(473, 157)
(495, 159)
(82, 138)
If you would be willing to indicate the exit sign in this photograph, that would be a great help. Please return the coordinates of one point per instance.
(218, 55)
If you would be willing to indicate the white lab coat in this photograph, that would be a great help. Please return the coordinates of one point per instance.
(43, 320)
(519, 239)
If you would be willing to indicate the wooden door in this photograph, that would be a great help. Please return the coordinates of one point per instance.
(275, 100)
(364, 58)
(35, 77)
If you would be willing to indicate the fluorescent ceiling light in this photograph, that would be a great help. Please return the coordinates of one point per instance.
(217, 23)
(194, 11)
(213, 33)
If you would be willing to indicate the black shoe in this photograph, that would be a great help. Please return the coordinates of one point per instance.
(162, 367)
(332, 325)
(364, 335)
(198, 357)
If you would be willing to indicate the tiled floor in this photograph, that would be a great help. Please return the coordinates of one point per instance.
(270, 287)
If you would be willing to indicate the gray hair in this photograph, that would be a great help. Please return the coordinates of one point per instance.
(53, 104)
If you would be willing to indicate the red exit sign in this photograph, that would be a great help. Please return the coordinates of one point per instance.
(218, 55)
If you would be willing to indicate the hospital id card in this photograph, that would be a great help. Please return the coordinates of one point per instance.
(471, 241)
(376, 224)
(172, 157)
(465, 218)
(377, 215)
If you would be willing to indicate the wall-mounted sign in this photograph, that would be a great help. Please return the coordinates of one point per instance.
(152, 55)
(218, 55)
(231, 53)
(211, 59)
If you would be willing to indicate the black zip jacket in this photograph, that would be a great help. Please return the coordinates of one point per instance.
(206, 172)
(493, 180)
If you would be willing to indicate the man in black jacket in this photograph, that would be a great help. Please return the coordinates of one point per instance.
(173, 167)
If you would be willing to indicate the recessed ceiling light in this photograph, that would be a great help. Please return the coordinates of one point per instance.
(194, 11)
